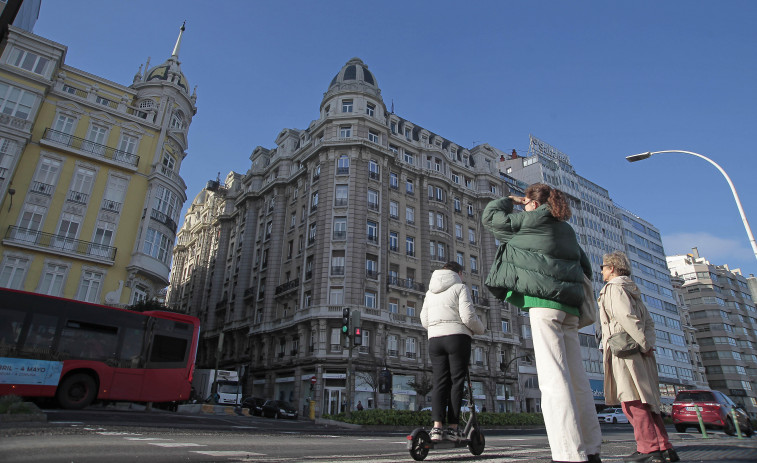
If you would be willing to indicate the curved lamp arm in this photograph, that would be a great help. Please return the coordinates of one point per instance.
(641, 156)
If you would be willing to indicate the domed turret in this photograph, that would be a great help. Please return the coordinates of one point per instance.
(354, 77)
(170, 71)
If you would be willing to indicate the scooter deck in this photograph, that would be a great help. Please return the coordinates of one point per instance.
(448, 444)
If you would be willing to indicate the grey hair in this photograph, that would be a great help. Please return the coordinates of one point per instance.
(619, 261)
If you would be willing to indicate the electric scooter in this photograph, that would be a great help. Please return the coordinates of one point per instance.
(419, 442)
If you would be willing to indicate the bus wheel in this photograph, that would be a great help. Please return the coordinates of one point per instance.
(76, 391)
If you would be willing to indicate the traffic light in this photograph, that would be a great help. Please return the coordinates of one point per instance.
(385, 381)
(358, 338)
(357, 331)
(346, 327)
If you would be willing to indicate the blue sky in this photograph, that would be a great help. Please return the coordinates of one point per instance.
(598, 80)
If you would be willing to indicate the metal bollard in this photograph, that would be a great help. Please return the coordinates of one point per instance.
(736, 423)
(701, 423)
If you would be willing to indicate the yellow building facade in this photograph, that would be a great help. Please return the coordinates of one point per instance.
(90, 191)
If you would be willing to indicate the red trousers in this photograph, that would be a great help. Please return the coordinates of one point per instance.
(648, 428)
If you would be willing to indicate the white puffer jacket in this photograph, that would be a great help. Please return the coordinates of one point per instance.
(448, 308)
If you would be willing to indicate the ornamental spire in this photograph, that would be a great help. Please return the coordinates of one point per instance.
(178, 41)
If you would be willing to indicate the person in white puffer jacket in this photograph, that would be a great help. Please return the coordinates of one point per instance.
(450, 318)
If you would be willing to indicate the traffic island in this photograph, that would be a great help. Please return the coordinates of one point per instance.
(211, 409)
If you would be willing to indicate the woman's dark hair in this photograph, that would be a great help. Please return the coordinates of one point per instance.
(544, 194)
(454, 266)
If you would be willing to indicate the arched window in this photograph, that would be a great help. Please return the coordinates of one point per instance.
(146, 104)
(177, 120)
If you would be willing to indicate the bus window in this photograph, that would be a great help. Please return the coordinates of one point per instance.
(131, 348)
(168, 349)
(11, 322)
(40, 337)
(88, 341)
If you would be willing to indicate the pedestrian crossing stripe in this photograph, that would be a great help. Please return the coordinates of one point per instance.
(227, 453)
(145, 438)
(176, 444)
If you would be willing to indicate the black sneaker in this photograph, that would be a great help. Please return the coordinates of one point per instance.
(651, 457)
(670, 455)
(436, 434)
(594, 458)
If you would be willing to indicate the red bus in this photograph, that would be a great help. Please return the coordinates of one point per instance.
(79, 352)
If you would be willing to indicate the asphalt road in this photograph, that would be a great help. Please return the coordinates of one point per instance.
(115, 436)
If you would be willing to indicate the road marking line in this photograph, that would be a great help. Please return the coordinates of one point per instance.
(145, 438)
(227, 453)
(118, 433)
(371, 438)
(176, 444)
(67, 422)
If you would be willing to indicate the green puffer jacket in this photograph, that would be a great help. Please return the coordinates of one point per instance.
(538, 255)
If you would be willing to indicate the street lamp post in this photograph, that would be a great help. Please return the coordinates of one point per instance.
(642, 156)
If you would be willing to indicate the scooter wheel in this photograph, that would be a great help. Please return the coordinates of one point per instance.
(477, 442)
(419, 446)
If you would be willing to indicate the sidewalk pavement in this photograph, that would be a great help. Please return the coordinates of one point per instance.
(692, 448)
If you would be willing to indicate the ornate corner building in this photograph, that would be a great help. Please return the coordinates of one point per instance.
(355, 211)
(73, 148)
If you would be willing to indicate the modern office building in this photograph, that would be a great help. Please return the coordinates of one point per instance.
(598, 228)
(355, 211)
(27, 15)
(722, 310)
(73, 147)
(676, 350)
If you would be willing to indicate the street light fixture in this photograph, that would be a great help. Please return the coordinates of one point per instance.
(642, 156)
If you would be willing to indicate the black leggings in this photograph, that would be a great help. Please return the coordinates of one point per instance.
(449, 362)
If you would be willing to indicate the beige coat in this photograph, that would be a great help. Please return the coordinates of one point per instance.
(634, 377)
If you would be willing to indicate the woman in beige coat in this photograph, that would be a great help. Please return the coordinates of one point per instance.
(632, 381)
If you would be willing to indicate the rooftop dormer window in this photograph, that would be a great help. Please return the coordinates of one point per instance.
(28, 61)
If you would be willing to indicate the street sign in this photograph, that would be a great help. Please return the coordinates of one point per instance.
(313, 380)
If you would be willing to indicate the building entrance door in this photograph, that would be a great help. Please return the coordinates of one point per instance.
(332, 401)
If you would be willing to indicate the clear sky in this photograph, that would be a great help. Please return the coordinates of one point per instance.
(598, 80)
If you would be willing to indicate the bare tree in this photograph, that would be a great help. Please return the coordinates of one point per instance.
(370, 378)
(422, 387)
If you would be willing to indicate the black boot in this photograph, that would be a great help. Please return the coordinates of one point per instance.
(670, 455)
(594, 458)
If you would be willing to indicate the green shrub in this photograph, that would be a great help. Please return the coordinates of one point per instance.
(377, 417)
(11, 404)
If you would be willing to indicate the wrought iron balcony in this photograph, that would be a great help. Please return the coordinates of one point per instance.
(111, 206)
(163, 218)
(406, 283)
(97, 149)
(78, 197)
(59, 242)
(340, 235)
(42, 188)
(289, 285)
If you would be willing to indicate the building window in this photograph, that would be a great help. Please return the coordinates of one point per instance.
(394, 241)
(128, 144)
(346, 106)
(372, 231)
(408, 134)
(373, 200)
(371, 266)
(373, 136)
(13, 272)
(410, 215)
(341, 195)
(409, 158)
(391, 345)
(156, 245)
(28, 61)
(370, 109)
(473, 264)
(370, 299)
(340, 228)
(52, 280)
(345, 131)
(177, 120)
(373, 170)
(102, 238)
(409, 187)
(410, 309)
(393, 181)
(461, 259)
(312, 233)
(410, 246)
(89, 287)
(458, 232)
(337, 263)
(410, 348)
(394, 210)
(394, 149)
(472, 236)
(16, 102)
(343, 165)
(336, 295)
(314, 201)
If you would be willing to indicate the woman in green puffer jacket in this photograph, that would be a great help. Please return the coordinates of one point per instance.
(539, 267)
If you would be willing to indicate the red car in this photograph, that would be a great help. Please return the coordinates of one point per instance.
(715, 409)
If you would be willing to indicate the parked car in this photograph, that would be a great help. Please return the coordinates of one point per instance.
(610, 411)
(279, 409)
(715, 409)
(254, 404)
(616, 416)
